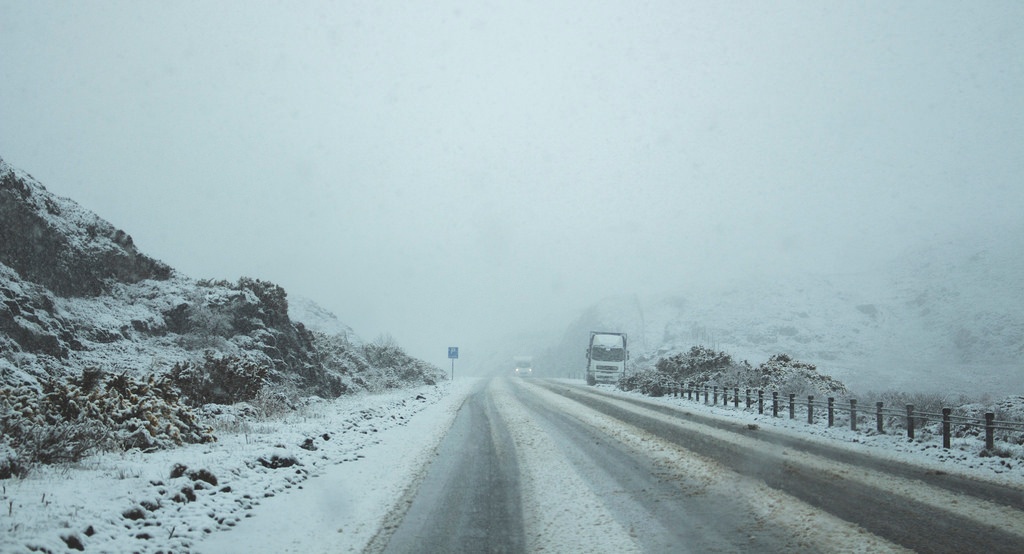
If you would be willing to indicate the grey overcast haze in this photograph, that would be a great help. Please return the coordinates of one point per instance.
(453, 172)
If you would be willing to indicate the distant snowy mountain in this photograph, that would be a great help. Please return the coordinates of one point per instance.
(946, 316)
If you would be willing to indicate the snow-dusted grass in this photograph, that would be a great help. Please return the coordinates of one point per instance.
(170, 500)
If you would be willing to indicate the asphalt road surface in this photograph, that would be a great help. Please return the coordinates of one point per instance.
(538, 466)
(469, 500)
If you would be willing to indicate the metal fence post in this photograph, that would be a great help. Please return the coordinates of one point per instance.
(990, 430)
(853, 414)
(810, 409)
(910, 421)
(792, 405)
(878, 417)
(946, 427)
(831, 411)
(760, 401)
(775, 403)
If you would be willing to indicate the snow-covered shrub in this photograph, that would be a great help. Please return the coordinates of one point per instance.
(340, 359)
(651, 383)
(391, 367)
(44, 428)
(703, 366)
(700, 359)
(10, 463)
(1010, 409)
(63, 421)
(273, 299)
(783, 373)
(219, 379)
(383, 352)
(208, 325)
(271, 403)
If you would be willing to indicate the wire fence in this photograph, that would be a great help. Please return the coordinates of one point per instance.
(906, 418)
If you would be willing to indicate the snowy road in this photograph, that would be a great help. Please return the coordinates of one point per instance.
(507, 465)
(546, 466)
(469, 500)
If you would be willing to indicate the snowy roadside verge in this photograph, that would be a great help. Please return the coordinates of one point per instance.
(171, 500)
(925, 451)
(342, 509)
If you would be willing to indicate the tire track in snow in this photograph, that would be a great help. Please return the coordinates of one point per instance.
(560, 512)
(671, 500)
(907, 511)
(469, 500)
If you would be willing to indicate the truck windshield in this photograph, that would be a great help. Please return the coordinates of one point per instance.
(607, 354)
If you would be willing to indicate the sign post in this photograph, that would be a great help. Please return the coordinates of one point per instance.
(453, 354)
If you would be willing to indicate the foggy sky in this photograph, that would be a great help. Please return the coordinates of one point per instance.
(450, 171)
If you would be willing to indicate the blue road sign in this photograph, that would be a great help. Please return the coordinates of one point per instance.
(453, 352)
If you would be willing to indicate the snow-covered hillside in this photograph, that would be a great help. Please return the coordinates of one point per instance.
(947, 316)
(102, 347)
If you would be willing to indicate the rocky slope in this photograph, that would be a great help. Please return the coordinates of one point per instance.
(76, 293)
(53, 242)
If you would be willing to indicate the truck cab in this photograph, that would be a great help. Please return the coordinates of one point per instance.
(606, 357)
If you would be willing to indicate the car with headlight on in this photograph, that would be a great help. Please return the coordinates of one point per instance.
(523, 366)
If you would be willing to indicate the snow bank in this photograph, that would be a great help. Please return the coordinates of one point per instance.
(365, 447)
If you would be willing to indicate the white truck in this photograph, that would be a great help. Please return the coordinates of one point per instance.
(606, 357)
(524, 366)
